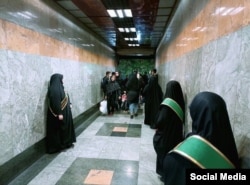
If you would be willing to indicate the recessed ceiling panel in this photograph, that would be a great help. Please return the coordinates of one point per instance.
(149, 18)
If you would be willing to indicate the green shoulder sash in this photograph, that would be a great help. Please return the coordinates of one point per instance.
(203, 153)
(174, 106)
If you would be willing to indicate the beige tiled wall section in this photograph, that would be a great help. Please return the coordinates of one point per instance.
(16, 38)
(216, 27)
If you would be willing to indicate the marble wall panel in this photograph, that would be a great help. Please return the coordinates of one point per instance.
(31, 50)
(5, 111)
(242, 106)
(208, 66)
(222, 67)
(23, 104)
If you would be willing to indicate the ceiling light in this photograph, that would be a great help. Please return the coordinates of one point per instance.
(128, 12)
(121, 29)
(120, 14)
(133, 45)
(132, 29)
(127, 30)
(112, 13)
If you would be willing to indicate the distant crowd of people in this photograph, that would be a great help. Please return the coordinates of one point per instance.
(122, 94)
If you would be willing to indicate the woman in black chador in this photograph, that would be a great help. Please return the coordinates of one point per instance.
(153, 97)
(211, 136)
(60, 129)
(169, 123)
(113, 95)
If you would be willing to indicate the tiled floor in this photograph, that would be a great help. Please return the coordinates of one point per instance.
(113, 150)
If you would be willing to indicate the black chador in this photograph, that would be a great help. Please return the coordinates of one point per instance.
(153, 97)
(169, 123)
(60, 133)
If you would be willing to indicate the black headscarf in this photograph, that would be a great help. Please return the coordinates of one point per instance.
(56, 92)
(211, 121)
(174, 91)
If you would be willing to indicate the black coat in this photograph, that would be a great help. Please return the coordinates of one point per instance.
(133, 89)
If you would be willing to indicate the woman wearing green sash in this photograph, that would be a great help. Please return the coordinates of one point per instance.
(211, 143)
(169, 123)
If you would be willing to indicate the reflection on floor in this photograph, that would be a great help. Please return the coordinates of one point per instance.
(113, 150)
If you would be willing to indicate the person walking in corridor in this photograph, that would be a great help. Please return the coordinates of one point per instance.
(133, 94)
(113, 95)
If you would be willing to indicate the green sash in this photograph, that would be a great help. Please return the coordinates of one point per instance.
(202, 153)
(174, 106)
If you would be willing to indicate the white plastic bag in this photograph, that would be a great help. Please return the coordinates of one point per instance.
(103, 107)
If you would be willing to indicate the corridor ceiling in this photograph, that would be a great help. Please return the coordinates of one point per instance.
(136, 35)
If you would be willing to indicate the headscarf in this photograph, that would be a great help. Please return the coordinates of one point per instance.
(174, 91)
(56, 92)
(211, 121)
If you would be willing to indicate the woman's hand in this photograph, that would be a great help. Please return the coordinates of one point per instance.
(60, 117)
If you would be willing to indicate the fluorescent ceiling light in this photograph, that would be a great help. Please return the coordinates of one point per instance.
(128, 12)
(120, 14)
(133, 45)
(131, 39)
(127, 30)
(112, 13)
(132, 29)
(121, 29)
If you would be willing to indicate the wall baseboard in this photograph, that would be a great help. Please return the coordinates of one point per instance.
(14, 167)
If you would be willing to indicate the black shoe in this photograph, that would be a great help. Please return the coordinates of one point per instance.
(136, 114)
(131, 117)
